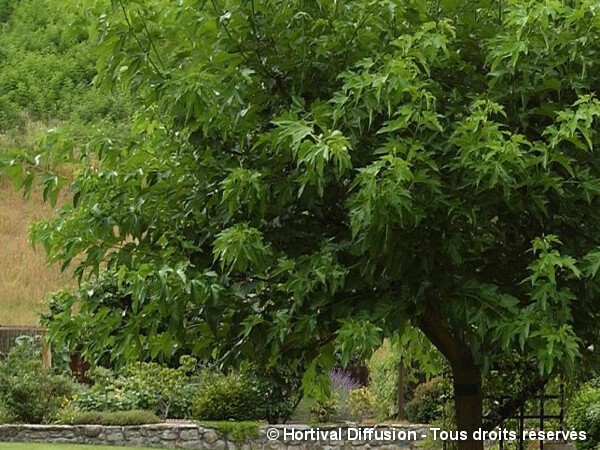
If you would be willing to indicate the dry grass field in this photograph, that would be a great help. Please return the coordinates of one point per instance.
(25, 279)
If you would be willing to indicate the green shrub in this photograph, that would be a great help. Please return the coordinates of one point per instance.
(30, 392)
(110, 398)
(362, 404)
(171, 391)
(9, 115)
(242, 396)
(165, 391)
(383, 374)
(120, 418)
(275, 396)
(3, 416)
(323, 411)
(343, 402)
(302, 412)
(584, 414)
(226, 397)
(429, 399)
(6, 9)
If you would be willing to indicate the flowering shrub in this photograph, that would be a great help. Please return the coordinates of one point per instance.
(342, 385)
(342, 380)
(338, 405)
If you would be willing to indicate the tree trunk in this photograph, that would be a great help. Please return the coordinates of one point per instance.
(468, 402)
(468, 398)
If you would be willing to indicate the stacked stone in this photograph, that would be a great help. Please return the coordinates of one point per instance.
(192, 436)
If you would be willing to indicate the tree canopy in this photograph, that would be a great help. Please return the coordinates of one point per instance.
(306, 177)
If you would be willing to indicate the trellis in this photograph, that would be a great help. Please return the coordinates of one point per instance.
(535, 413)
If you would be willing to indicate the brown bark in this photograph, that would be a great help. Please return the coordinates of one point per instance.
(468, 399)
(468, 402)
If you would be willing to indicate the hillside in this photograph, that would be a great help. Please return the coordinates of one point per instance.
(46, 73)
(25, 279)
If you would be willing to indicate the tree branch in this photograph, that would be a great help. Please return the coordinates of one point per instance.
(441, 337)
(139, 43)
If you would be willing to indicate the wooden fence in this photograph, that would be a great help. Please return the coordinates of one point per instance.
(9, 335)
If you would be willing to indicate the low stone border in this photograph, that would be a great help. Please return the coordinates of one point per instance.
(192, 436)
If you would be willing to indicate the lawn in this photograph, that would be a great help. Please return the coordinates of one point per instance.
(27, 446)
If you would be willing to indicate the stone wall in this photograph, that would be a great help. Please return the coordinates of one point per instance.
(191, 436)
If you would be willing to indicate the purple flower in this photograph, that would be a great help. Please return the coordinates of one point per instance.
(342, 380)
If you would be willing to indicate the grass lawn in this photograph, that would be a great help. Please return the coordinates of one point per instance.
(27, 446)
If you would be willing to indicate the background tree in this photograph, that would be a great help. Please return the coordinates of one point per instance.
(305, 177)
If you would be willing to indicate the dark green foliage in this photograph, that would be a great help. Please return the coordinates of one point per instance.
(4, 417)
(276, 396)
(427, 404)
(105, 296)
(122, 418)
(9, 114)
(268, 191)
(584, 415)
(226, 397)
(102, 296)
(240, 396)
(6, 9)
(314, 175)
(30, 392)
